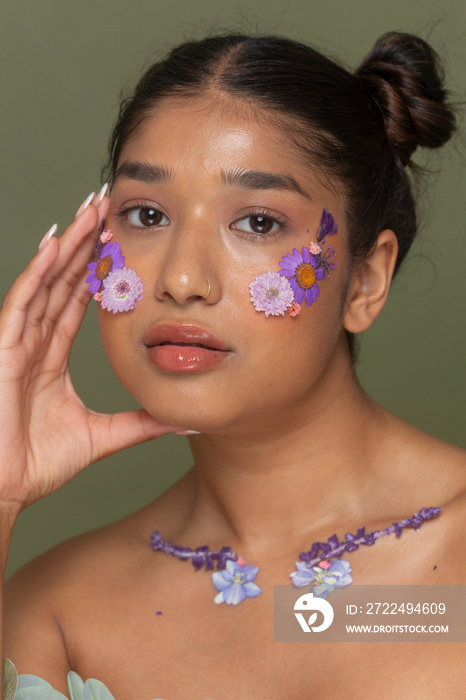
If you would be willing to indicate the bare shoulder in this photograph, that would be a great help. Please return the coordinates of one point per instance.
(452, 524)
(53, 602)
(420, 463)
(46, 598)
(427, 471)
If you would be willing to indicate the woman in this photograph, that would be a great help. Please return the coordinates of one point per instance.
(259, 208)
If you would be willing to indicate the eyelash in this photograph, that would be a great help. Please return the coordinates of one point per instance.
(264, 213)
(124, 211)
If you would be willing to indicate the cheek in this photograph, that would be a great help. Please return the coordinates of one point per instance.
(290, 355)
(119, 333)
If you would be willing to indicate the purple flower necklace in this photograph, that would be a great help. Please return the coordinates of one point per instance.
(320, 567)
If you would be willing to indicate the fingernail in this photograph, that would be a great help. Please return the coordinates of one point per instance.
(85, 204)
(51, 232)
(188, 432)
(102, 193)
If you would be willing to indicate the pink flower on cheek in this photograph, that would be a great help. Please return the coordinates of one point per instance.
(106, 236)
(315, 248)
(294, 309)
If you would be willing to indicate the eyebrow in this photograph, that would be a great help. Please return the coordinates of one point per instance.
(244, 179)
(260, 180)
(144, 172)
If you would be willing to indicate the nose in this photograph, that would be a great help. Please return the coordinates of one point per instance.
(188, 269)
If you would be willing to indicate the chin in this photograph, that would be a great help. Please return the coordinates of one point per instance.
(204, 421)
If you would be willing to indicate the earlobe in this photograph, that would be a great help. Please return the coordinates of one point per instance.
(370, 283)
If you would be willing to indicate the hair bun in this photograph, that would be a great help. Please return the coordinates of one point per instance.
(403, 75)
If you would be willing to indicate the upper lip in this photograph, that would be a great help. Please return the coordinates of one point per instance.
(183, 334)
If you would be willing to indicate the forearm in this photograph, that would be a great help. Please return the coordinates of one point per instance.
(8, 516)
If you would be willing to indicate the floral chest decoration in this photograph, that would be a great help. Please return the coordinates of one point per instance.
(321, 567)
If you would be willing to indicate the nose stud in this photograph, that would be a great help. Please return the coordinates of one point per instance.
(208, 291)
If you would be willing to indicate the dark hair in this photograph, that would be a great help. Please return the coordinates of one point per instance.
(359, 130)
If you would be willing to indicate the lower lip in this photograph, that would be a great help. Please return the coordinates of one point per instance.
(185, 358)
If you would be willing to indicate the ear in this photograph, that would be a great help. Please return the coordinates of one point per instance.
(369, 285)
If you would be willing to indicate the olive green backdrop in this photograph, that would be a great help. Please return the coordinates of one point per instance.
(63, 64)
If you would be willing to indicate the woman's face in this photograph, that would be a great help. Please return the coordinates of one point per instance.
(206, 193)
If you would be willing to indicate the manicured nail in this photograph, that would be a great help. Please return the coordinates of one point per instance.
(85, 204)
(102, 193)
(188, 432)
(51, 232)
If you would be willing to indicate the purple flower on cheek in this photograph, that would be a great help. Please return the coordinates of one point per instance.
(110, 258)
(327, 226)
(302, 272)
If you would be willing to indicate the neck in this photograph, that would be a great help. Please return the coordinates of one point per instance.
(264, 490)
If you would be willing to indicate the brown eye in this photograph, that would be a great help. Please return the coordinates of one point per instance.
(257, 223)
(261, 224)
(147, 216)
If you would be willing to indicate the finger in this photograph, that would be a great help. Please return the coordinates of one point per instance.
(64, 305)
(76, 246)
(49, 300)
(79, 254)
(63, 331)
(68, 317)
(112, 433)
(64, 282)
(102, 203)
(30, 284)
(37, 304)
(17, 301)
(83, 229)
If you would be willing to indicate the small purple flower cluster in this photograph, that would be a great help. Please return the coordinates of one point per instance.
(333, 548)
(201, 556)
(234, 582)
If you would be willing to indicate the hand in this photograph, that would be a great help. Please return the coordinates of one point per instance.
(47, 435)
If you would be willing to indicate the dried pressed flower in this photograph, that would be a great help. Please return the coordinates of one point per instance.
(110, 259)
(122, 290)
(271, 293)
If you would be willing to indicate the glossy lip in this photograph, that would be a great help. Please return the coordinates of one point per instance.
(183, 334)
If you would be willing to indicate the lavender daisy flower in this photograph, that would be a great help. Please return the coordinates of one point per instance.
(271, 293)
(235, 583)
(110, 258)
(323, 578)
(302, 272)
(122, 290)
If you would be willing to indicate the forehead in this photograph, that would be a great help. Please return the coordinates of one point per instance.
(211, 135)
